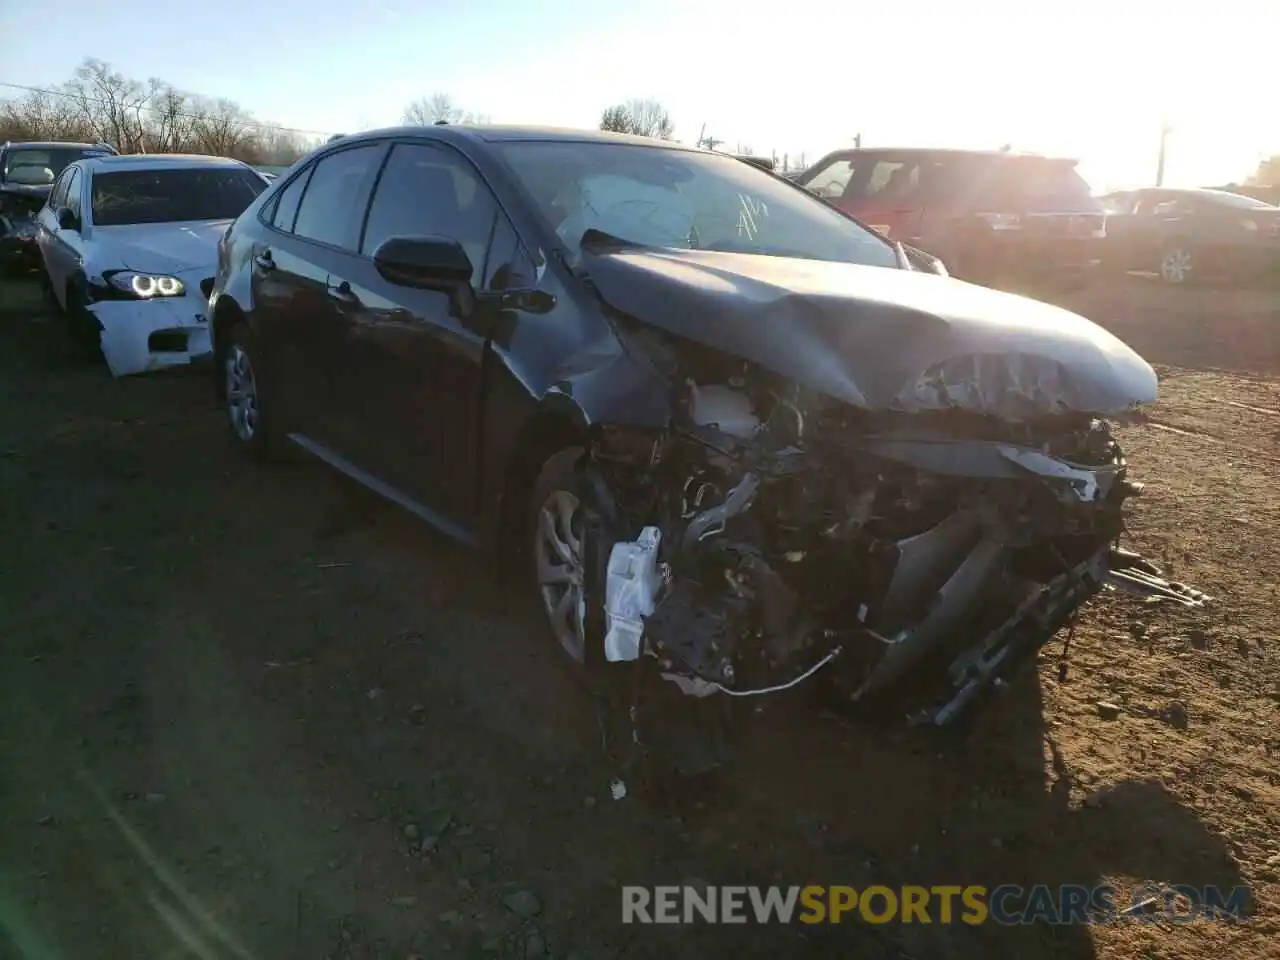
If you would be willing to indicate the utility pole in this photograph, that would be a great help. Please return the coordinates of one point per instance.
(857, 141)
(1165, 130)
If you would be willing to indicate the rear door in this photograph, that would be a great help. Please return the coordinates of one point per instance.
(1122, 225)
(299, 271)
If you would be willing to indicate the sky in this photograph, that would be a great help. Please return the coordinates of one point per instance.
(1091, 79)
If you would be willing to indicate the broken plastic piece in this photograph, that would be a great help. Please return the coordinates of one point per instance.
(632, 585)
(618, 789)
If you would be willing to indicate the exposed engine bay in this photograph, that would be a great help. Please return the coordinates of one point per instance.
(771, 535)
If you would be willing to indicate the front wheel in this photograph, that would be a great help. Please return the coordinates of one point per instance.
(558, 531)
(82, 326)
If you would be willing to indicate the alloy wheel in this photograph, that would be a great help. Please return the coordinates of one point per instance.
(242, 393)
(561, 570)
(1175, 265)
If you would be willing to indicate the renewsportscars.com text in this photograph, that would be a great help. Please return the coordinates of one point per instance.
(941, 903)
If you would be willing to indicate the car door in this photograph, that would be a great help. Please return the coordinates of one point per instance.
(887, 197)
(315, 226)
(419, 363)
(1162, 220)
(1121, 224)
(61, 247)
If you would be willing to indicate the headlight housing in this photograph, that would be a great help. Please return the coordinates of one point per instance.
(146, 286)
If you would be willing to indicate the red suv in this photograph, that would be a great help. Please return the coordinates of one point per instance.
(991, 217)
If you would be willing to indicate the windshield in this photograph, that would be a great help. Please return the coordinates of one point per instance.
(37, 165)
(164, 196)
(1237, 200)
(684, 199)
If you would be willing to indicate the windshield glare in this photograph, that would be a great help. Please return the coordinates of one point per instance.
(659, 197)
(164, 196)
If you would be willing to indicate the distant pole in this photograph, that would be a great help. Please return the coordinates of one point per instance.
(857, 141)
(1164, 143)
(701, 133)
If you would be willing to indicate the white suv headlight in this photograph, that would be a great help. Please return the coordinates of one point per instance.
(146, 286)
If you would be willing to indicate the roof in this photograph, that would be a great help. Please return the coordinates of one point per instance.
(159, 161)
(498, 134)
(50, 145)
(953, 151)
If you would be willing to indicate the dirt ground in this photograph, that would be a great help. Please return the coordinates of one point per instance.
(246, 713)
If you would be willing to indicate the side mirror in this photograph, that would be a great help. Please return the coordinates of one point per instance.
(924, 262)
(428, 262)
(67, 219)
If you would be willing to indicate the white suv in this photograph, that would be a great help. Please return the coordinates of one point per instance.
(129, 246)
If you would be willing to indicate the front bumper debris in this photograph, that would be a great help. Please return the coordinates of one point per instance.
(140, 336)
(771, 538)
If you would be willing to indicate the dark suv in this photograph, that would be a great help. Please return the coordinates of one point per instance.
(731, 434)
(27, 173)
(991, 217)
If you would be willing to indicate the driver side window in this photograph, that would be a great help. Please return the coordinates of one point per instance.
(832, 180)
(426, 190)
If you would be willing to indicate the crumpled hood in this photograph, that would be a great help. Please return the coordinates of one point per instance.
(878, 338)
(156, 247)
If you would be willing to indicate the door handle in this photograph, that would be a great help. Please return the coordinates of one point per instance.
(264, 261)
(342, 292)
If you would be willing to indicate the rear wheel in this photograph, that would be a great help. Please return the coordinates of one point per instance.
(250, 419)
(1176, 263)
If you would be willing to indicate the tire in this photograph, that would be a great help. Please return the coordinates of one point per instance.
(248, 415)
(566, 543)
(46, 293)
(82, 326)
(1176, 263)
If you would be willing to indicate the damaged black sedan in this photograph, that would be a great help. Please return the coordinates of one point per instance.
(735, 438)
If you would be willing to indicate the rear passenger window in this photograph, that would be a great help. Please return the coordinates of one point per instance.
(287, 203)
(431, 190)
(334, 201)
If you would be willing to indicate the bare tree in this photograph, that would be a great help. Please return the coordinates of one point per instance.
(112, 105)
(172, 126)
(99, 103)
(616, 119)
(643, 117)
(440, 106)
(222, 127)
(41, 116)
